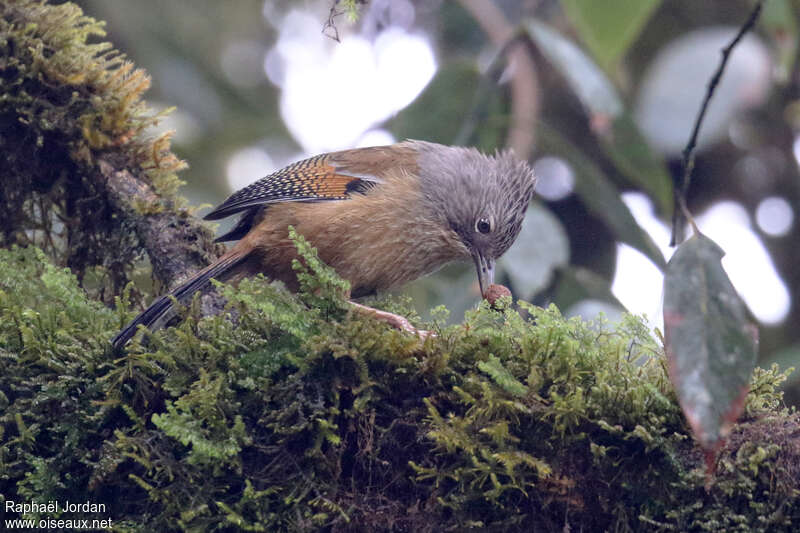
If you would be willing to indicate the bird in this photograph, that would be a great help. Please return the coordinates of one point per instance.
(380, 216)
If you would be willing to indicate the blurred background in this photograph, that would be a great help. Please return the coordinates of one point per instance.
(600, 97)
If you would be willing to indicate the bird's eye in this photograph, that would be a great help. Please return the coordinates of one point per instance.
(483, 225)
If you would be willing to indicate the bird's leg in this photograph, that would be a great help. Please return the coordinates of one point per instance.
(394, 320)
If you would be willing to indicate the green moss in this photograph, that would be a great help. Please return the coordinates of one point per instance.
(300, 418)
(68, 100)
(51, 58)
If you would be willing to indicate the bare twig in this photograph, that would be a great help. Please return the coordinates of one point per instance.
(681, 190)
(684, 209)
(330, 29)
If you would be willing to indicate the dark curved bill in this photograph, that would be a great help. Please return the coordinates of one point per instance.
(485, 268)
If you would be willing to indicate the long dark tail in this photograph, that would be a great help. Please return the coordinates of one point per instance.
(161, 311)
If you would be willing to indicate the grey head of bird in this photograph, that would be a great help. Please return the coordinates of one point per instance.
(483, 198)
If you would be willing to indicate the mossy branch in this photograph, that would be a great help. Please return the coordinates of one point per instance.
(82, 177)
(303, 416)
(299, 419)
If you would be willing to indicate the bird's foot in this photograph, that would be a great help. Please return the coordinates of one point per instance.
(397, 321)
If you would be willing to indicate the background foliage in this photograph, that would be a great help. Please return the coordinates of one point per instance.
(581, 111)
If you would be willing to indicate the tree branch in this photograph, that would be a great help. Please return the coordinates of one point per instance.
(176, 245)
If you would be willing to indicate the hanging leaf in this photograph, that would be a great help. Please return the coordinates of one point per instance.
(609, 28)
(710, 341)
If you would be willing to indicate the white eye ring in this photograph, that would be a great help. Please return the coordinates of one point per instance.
(483, 225)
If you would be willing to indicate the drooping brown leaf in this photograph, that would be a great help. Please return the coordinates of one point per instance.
(710, 341)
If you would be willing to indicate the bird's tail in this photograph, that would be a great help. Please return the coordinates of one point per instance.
(162, 310)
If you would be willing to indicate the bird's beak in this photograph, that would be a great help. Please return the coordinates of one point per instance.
(485, 269)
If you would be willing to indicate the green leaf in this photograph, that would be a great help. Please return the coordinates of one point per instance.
(599, 195)
(619, 136)
(609, 28)
(624, 143)
(588, 82)
(710, 342)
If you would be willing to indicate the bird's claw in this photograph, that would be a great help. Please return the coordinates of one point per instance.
(397, 321)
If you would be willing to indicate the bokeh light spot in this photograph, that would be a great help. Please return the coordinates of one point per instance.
(555, 179)
(334, 92)
(747, 261)
(775, 216)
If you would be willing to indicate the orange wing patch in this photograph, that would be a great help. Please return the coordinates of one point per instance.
(312, 178)
(307, 180)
